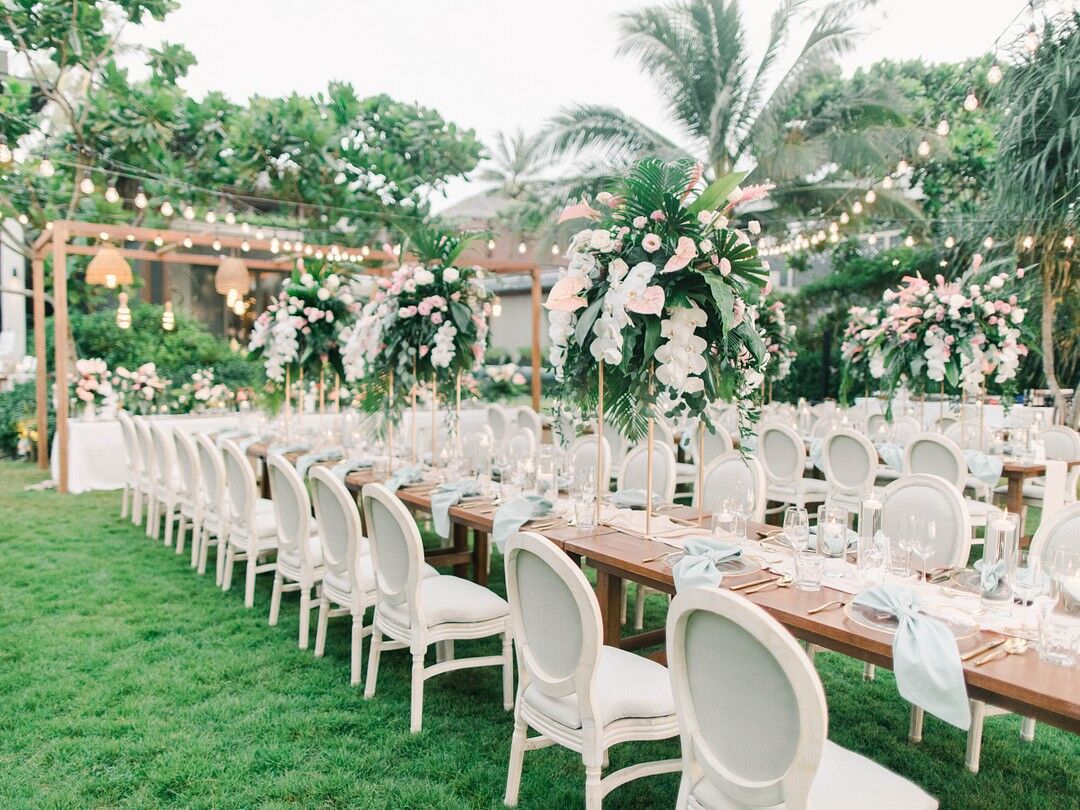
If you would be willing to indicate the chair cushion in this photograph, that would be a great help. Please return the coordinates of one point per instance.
(844, 781)
(627, 685)
(450, 600)
(341, 584)
(291, 558)
(977, 510)
(685, 472)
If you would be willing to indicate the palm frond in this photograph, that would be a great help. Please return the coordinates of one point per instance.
(606, 132)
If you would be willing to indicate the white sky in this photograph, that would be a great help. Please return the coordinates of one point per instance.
(500, 64)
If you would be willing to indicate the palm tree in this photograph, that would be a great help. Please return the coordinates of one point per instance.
(733, 114)
(1037, 180)
(517, 160)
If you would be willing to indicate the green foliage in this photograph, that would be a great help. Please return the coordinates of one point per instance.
(18, 415)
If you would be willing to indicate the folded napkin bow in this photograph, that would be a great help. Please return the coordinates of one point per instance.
(305, 462)
(985, 467)
(852, 539)
(698, 567)
(926, 660)
(406, 475)
(514, 514)
(661, 528)
(630, 498)
(990, 576)
(342, 469)
(446, 496)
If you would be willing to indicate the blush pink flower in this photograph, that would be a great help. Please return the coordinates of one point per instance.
(651, 302)
(725, 266)
(579, 211)
(685, 251)
(657, 216)
(640, 222)
(564, 295)
(650, 243)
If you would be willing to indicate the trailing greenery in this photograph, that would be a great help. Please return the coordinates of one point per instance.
(18, 417)
(161, 691)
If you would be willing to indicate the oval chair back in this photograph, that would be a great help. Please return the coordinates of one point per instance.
(905, 428)
(760, 739)
(782, 453)
(966, 434)
(131, 447)
(930, 497)
(728, 471)
(582, 459)
(634, 472)
(187, 462)
(824, 426)
(241, 492)
(521, 443)
(500, 423)
(1063, 443)
(212, 470)
(849, 462)
(934, 454)
(340, 532)
(718, 442)
(875, 422)
(1060, 530)
(147, 460)
(616, 443)
(164, 456)
(397, 553)
(529, 419)
(556, 622)
(292, 510)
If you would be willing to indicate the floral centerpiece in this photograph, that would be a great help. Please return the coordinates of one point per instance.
(201, 393)
(657, 291)
(141, 390)
(428, 320)
(777, 334)
(954, 334)
(861, 358)
(301, 328)
(93, 387)
(501, 381)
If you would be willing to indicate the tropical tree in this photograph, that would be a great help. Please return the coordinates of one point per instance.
(1037, 178)
(516, 164)
(733, 114)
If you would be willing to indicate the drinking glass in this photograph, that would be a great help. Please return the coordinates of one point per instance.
(1059, 625)
(832, 538)
(796, 527)
(871, 507)
(585, 514)
(897, 556)
(999, 551)
(723, 522)
(1028, 582)
(742, 501)
(809, 566)
(923, 542)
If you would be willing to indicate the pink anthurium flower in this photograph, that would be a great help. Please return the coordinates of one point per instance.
(582, 209)
(685, 250)
(651, 302)
(564, 295)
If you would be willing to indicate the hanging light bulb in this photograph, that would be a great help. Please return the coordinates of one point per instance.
(168, 319)
(187, 241)
(308, 249)
(834, 237)
(111, 194)
(871, 196)
(123, 313)
(887, 182)
(871, 239)
(856, 207)
(274, 246)
(258, 233)
(909, 241)
(993, 75)
(1067, 242)
(5, 152)
(554, 250)
(230, 297)
(211, 217)
(1028, 243)
(318, 254)
(46, 169)
(244, 227)
(522, 247)
(286, 246)
(24, 219)
(230, 218)
(103, 236)
(245, 246)
(1031, 40)
(159, 240)
(496, 308)
(167, 209)
(239, 306)
(364, 251)
(924, 148)
(86, 185)
(491, 244)
(844, 218)
(971, 102)
(140, 198)
(950, 243)
(988, 242)
(189, 212)
(217, 245)
(942, 128)
(901, 166)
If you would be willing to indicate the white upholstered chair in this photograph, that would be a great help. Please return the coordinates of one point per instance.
(727, 471)
(850, 464)
(634, 471)
(526, 417)
(148, 470)
(934, 453)
(582, 459)
(718, 443)
(131, 498)
(251, 537)
(783, 455)
(413, 611)
(501, 422)
(574, 691)
(760, 740)
(299, 563)
(1062, 443)
(189, 493)
(166, 480)
(617, 444)
(520, 443)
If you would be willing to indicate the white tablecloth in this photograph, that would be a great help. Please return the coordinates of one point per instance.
(994, 415)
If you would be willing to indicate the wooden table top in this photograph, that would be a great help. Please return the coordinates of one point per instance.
(1020, 683)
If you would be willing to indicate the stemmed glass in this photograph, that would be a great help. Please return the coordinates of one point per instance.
(797, 527)
(922, 541)
(742, 503)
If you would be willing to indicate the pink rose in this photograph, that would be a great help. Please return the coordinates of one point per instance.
(657, 216)
(651, 243)
(767, 288)
(436, 317)
(1020, 272)
(424, 350)
(640, 222)
(725, 267)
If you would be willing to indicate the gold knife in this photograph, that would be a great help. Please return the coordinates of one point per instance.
(983, 649)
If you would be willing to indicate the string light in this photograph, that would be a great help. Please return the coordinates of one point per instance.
(86, 186)
(950, 242)
(871, 239)
(994, 74)
(942, 128)
(244, 227)
(103, 236)
(216, 245)
(856, 207)
(901, 166)
(364, 251)
(924, 148)
(245, 246)
(46, 169)
(111, 194)
(971, 103)
(230, 218)
(871, 195)
(159, 240)
(187, 241)
(274, 245)
(522, 247)
(844, 218)
(123, 313)
(189, 212)
(168, 319)
(140, 199)
(167, 209)
(491, 244)
(554, 250)
(887, 182)
(988, 242)
(1028, 243)
(211, 217)
(909, 241)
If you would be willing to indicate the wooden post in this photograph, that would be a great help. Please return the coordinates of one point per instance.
(413, 424)
(390, 425)
(701, 471)
(42, 410)
(649, 462)
(599, 437)
(322, 390)
(434, 415)
(60, 351)
(536, 304)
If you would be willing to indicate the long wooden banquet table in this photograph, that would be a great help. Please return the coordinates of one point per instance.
(1019, 683)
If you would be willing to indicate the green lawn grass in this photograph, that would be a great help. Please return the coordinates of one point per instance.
(127, 680)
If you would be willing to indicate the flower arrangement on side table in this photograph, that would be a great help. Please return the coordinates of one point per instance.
(141, 390)
(427, 320)
(201, 393)
(657, 291)
(93, 386)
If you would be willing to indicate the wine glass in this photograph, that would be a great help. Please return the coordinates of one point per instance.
(796, 527)
(742, 503)
(922, 540)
